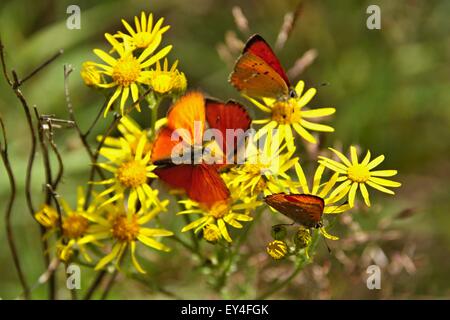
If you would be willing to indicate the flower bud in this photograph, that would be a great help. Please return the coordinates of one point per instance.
(277, 249)
(302, 238)
(211, 233)
(278, 232)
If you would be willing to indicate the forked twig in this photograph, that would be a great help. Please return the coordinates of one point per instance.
(8, 212)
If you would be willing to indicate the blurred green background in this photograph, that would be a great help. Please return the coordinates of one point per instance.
(391, 89)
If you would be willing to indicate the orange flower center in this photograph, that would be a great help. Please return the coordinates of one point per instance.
(74, 226)
(132, 174)
(126, 71)
(358, 173)
(125, 229)
(219, 210)
(286, 112)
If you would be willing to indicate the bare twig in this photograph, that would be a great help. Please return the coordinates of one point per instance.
(14, 84)
(110, 284)
(97, 281)
(97, 117)
(67, 70)
(40, 67)
(8, 211)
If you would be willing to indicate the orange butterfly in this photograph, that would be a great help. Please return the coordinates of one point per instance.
(201, 181)
(258, 72)
(304, 209)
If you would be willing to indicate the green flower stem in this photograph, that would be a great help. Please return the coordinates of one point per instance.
(223, 278)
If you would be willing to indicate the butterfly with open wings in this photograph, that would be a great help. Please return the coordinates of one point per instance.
(200, 180)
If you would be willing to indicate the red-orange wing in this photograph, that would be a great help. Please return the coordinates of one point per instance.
(258, 73)
(188, 113)
(207, 186)
(259, 47)
(231, 116)
(201, 182)
(304, 209)
(162, 147)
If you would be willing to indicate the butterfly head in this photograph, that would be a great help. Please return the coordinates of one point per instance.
(292, 93)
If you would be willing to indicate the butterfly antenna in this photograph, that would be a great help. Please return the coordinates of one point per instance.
(326, 244)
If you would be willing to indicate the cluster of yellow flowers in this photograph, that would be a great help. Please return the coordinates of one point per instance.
(131, 72)
(116, 219)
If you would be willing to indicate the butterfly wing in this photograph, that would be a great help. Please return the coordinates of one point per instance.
(207, 186)
(188, 114)
(258, 73)
(259, 47)
(230, 115)
(201, 182)
(163, 145)
(304, 209)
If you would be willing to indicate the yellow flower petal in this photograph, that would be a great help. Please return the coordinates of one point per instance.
(385, 182)
(105, 57)
(152, 243)
(352, 194)
(109, 257)
(223, 230)
(299, 87)
(383, 173)
(341, 157)
(133, 258)
(353, 155)
(306, 98)
(379, 188)
(316, 126)
(364, 193)
(301, 178)
(366, 159)
(317, 113)
(333, 165)
(375, 162)
(303, 133)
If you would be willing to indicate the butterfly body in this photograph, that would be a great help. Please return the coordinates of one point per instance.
(303, 209)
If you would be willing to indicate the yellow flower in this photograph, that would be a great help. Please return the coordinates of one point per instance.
(323, 190)
(131, 132)
(47, 217)
(75, 227)
(126, 229)
(165, 80)
(90, 74)
(127, 70)
(211, 233)
(264, 171)
(219, 215)
(131, 172)
(277, 249)
(288, 114)
(356, 174)
(145, 34)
